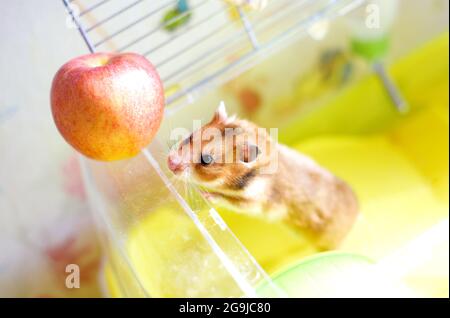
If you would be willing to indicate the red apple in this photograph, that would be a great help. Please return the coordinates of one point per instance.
(107, 106)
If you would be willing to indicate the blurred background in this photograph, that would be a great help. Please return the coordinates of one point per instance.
(370, 104)
(43, 212)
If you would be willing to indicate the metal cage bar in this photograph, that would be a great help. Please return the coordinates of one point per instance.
(188, 57)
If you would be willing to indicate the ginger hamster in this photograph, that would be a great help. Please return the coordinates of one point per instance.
(238, 173)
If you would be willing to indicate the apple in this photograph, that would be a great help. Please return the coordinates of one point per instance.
(107, 106)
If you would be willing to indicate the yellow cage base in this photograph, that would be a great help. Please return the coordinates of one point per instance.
(399, 173)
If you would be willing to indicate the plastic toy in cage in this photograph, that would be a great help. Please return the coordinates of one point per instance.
(177, 17)
(333, 70)
(250, 100)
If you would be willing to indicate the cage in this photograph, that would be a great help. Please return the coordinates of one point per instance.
(337, 90)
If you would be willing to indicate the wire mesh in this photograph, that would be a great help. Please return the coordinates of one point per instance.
(194, 43)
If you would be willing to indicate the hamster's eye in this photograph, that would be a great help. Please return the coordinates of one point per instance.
(250, 153)
(206, 159)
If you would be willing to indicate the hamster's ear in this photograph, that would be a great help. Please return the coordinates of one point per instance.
(249, 152)
(221, 113)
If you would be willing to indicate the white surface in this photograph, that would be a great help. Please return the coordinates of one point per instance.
(35, 210)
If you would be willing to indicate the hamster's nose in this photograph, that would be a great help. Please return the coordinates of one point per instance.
(175, 164)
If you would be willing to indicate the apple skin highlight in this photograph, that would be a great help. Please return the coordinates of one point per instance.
(107, 106)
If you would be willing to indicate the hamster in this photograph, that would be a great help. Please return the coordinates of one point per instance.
(298, 191)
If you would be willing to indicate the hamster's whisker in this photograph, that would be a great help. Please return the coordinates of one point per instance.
(193, 193)
(170, 143)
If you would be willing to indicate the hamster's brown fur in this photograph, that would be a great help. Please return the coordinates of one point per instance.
(298, 192)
